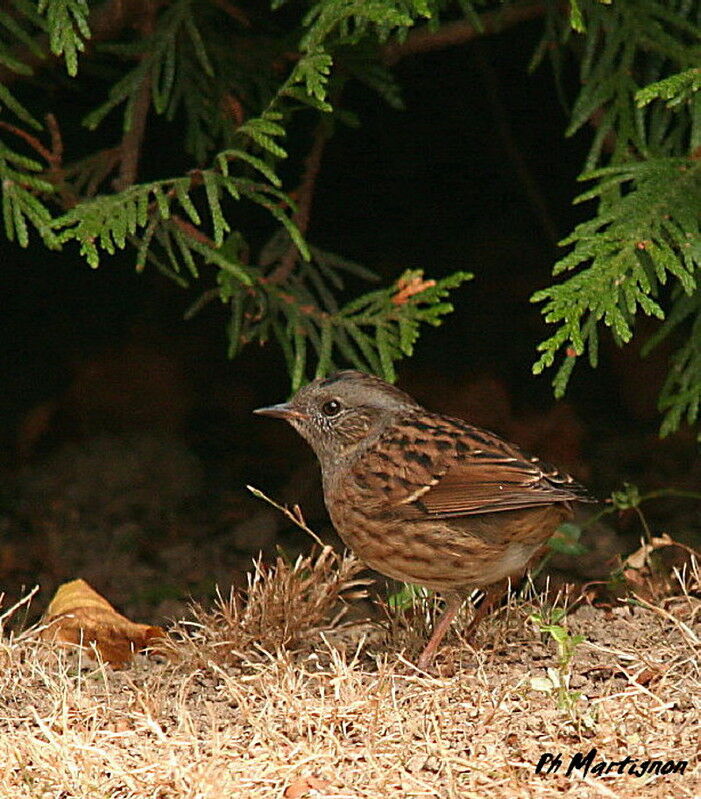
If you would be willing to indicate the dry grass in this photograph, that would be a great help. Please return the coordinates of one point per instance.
(273, 699)
(283, 604)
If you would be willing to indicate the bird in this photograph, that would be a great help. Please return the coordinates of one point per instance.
(425, 498)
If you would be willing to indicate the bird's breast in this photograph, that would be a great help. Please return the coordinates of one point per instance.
(442, 554)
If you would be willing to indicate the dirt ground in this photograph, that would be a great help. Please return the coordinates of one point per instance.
(246, 706)
(281, 697)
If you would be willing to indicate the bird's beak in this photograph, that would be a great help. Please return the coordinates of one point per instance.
(282, 411)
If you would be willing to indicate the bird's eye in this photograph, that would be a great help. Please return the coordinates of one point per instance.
(331, 408)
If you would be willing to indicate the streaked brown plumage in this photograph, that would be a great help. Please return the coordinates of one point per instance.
(425, 498)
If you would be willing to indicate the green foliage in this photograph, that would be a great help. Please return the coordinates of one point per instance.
(566, 540)
(676, 89)
(232, 81)
(237, 94)
(19, 24)
(407, 597)
(552, 622)
(626, 497)
(20, 175)
(67, 23)
(645, 232)
(628, 43)
(353, 20)
(160, 55)
(370, 332)
(143, 216)
(21, 208)
(681, 393)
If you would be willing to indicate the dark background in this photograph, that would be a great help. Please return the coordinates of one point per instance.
(101, 375)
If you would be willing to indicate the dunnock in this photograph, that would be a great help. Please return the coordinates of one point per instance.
(426, 498)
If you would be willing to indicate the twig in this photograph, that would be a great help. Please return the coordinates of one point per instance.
(133, 138)
(105, 22)
(56, 171)
(25, 600)
(32, 141)
(106, 161)
(294, 515)
(208, 296)
(56, 141)
(305, 195)
(194, 233)
(424, 40)
(688, 632)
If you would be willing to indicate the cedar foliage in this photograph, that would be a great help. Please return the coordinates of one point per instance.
(640, 69)
(230, 78)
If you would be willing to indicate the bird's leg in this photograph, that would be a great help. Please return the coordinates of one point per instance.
(492, 596)
(452, 606)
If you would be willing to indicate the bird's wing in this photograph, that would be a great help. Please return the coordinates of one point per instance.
(445, 467)
(477, 484)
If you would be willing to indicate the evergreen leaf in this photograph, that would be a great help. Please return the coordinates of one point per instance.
(636, 243)
(67, 23)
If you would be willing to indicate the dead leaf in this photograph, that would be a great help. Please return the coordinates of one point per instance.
(410, 285)
(79, 616)
(604, 595)
(649, 675)
(303, 786)
(649, 571)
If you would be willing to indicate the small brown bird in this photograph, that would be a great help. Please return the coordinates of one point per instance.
(425, 498)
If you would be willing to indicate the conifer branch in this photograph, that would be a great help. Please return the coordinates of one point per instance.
(305, 196)
(451, 34)
(645, 232)
(105, 22)
(643, 236)
(56, 154)
(27, 137)
(134, 134)
(640, 92)
(56, 173)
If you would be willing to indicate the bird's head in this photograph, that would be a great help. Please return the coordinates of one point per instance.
(337, 413)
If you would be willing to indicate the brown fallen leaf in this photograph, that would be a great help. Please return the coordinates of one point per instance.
(303, 786)
(79, 616)
(649, 571)
(649, 675)
(655, 571)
